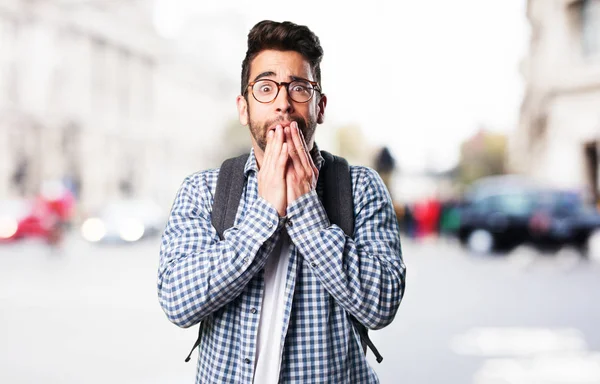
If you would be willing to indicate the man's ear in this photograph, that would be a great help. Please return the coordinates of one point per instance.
(242, 106)
(321, 109)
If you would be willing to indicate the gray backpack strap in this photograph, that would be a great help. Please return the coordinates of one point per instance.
(230, 186)
(338, 202)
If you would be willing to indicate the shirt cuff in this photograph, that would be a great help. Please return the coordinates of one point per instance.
(305, 216)
(258, 229)
(261, 221)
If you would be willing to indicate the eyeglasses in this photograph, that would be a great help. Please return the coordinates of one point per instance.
(300, 91)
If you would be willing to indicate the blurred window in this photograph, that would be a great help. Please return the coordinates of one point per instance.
(560, 202)
(99, 75)
(9, 71)
(124, 81)
(515, 204)
(510, 203)
(484, 205)
(590, 26)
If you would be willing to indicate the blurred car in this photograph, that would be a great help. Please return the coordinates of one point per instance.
(503, 212)
(22, 218)
(496, 220)
(563, 218)
(124, 221)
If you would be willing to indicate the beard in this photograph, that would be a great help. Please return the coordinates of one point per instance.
(259, 131)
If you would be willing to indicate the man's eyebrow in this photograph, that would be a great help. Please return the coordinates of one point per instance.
(297, 78)
(271, 73)
(264, 74)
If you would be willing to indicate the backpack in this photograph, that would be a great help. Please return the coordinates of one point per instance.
(337, 200)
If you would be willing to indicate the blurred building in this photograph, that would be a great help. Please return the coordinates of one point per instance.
(92, 95)
(481, 155)
(558, 139)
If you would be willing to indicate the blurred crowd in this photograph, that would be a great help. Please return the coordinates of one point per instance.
(429, 217)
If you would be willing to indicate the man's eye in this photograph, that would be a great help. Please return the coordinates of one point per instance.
(299, 88)
(265, 89)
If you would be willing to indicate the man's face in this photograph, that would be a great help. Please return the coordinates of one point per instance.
(281, 66)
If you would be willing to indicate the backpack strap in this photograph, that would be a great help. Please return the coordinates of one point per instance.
(339, 205)
(337, 193)
(230, 186)
(197, 343)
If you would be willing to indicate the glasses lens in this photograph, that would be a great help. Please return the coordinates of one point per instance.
(264, 90)
(301, 91)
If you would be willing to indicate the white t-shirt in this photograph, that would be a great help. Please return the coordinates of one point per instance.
(269, 346)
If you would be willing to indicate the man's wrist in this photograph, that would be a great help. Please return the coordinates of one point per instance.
(306, 215)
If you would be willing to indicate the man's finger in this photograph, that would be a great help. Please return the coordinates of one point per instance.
(282, 160)
(299, 148)
(293, 148)
(301, 143)
(268, 149)
(277, 143)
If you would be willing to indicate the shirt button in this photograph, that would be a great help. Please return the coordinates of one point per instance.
(253, 310)
(247, 360)
(270, 225)
(313, 264)
(245, 260)
(289, 223)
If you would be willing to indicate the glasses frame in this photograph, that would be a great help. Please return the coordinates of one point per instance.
(314, 84)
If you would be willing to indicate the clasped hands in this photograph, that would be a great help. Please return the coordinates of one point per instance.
(287, 171)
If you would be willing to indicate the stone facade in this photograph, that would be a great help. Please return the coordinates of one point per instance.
(91, 94)
(558, 140)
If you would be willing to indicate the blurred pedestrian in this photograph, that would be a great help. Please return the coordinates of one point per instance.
(449, 219)
(385, 165)
(275, 295)
(58, 203)
(426, 214)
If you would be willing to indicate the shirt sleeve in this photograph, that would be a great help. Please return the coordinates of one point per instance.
(199, 273)
(364, 274)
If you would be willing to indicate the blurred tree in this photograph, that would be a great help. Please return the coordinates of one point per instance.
(353, 145)
(484, 154)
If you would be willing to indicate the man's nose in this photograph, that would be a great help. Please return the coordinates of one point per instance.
(282, 102)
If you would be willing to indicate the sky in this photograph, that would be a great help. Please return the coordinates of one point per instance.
(417, 76)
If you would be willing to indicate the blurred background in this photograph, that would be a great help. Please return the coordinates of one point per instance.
(482, 117)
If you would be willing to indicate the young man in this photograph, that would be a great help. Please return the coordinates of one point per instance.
(275, 295)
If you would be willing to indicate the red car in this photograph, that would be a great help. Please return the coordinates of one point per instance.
(25, 219)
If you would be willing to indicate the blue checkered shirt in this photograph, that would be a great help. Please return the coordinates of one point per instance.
(330, 275)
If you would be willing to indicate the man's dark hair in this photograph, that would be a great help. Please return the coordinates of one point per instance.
(285, 36)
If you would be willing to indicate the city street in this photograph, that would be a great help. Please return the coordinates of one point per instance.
(89, 314)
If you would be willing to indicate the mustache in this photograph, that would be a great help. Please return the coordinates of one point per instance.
(302, 124)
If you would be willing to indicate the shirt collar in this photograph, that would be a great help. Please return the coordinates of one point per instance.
(252, 165)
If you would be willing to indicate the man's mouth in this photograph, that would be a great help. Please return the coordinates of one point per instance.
(282, 123)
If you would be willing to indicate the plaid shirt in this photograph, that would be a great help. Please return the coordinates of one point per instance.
(330, 275)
